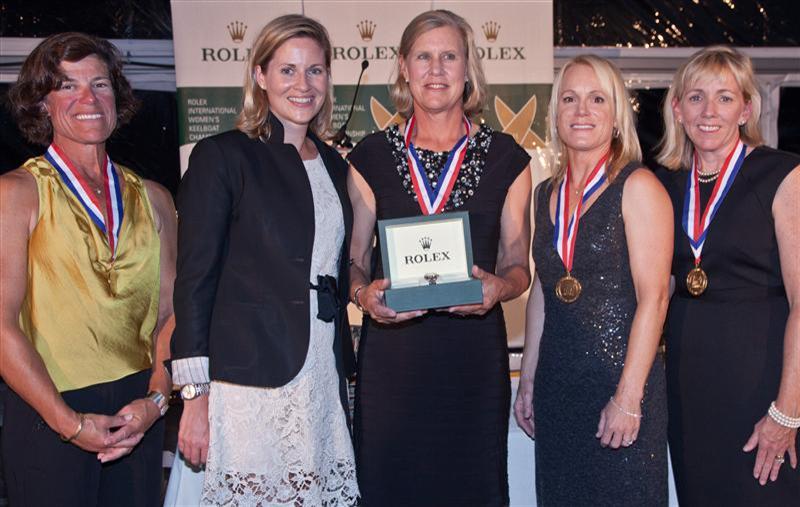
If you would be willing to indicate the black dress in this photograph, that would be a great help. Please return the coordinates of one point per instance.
(724, 348)
(581, 355)
(433, 394)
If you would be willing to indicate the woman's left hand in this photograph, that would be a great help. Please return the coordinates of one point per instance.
(140, 414)
(617, 428)
(773, 442)
(492, 286)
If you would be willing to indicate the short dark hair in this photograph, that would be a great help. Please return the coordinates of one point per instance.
(41, 74)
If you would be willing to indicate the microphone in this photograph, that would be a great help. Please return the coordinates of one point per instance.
(341, 139)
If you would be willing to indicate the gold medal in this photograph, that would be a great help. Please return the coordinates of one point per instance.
(696, 281)
(568, 288)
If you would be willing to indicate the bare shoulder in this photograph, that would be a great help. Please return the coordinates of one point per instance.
(788, 192)
(159, 196)
(18, 191)
(643, 184)
(161, 201)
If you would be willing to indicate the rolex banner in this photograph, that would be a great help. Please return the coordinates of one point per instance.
(213, 38)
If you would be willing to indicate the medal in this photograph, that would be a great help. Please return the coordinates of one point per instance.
(568, 288)
(565, 231)
(432, 200)
(696, 281)
(88, 199)
(696, 221)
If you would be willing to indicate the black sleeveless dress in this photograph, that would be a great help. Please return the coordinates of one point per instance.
(433, 394)
(725, 347)
(581, 355)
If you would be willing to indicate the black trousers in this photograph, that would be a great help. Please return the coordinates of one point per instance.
(41, 470)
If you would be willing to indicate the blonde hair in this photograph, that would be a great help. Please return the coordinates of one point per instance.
(675, 147)
(475, 93)
(252, 119)
(624, 146)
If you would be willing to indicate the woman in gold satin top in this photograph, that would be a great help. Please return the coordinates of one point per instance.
(85, 288)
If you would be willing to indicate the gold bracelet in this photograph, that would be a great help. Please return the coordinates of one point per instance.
(355, 299)
(77, 432)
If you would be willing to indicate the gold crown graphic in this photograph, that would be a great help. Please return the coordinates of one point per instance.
(366, 29)
(426, 242)
(491, 29)
(237, 30)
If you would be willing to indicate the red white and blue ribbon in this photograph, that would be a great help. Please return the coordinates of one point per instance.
(79, 187)
(695, 220)
(565, 231)
(432, 200)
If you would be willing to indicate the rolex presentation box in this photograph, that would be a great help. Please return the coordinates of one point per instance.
(428, 261)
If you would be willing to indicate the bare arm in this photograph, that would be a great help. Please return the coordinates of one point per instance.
(648, 217)
(512, 273)
(20, 365)
(534, 327)
(370, 294)
(772, 439)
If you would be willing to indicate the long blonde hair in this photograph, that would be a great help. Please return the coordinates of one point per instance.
(252, 119)
(475, 92)
(675, 146)
(624, 146)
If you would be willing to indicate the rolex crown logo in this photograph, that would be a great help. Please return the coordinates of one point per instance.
(491, 29)
(426, 242)
(237, 30)
(366, 29)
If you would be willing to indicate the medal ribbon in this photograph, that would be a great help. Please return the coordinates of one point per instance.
(86, 197)
(565, 231)
(432, 200)
(696, 221)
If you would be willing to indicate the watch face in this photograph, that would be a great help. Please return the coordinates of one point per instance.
(188, 392)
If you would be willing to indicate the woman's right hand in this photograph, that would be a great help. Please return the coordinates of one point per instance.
(523, 406)
(370, 297)
(193, 431)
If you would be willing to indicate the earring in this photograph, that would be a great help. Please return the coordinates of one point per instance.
(615, 132)
(741, 123)
(680, 121)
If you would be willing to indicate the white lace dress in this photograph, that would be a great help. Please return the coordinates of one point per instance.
(288, 445)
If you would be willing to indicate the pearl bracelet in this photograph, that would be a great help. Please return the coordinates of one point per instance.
(783, 419)
(618, 407)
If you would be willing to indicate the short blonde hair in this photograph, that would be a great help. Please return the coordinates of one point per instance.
(475, 93)
(675, 147)
(252, 119)
(624, 145)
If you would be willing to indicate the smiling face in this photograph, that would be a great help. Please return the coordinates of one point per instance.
(435, 69)
(585, 116)
(296, 82)
(82, 109)
(711, 111)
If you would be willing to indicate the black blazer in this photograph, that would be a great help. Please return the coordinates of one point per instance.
(245, 235)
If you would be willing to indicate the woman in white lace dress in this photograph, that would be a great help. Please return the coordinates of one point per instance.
(262, 343)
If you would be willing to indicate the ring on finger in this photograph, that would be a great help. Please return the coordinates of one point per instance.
(779, 459)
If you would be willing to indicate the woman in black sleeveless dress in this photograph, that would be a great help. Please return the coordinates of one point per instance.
(433, 392)
(592, 386)
(733, 346)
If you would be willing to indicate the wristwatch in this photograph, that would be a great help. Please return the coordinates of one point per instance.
(192, 391)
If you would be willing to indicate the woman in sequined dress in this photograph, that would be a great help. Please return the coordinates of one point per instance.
(592, 386)
(433, 392)
(733, 349)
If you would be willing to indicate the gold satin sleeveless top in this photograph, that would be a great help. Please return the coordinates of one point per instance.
(90, 316)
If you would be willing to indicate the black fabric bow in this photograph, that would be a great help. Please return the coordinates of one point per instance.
(327, 302)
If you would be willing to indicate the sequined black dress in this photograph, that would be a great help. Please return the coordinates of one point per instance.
(725, 347)
(581, 356)
(433, 394)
